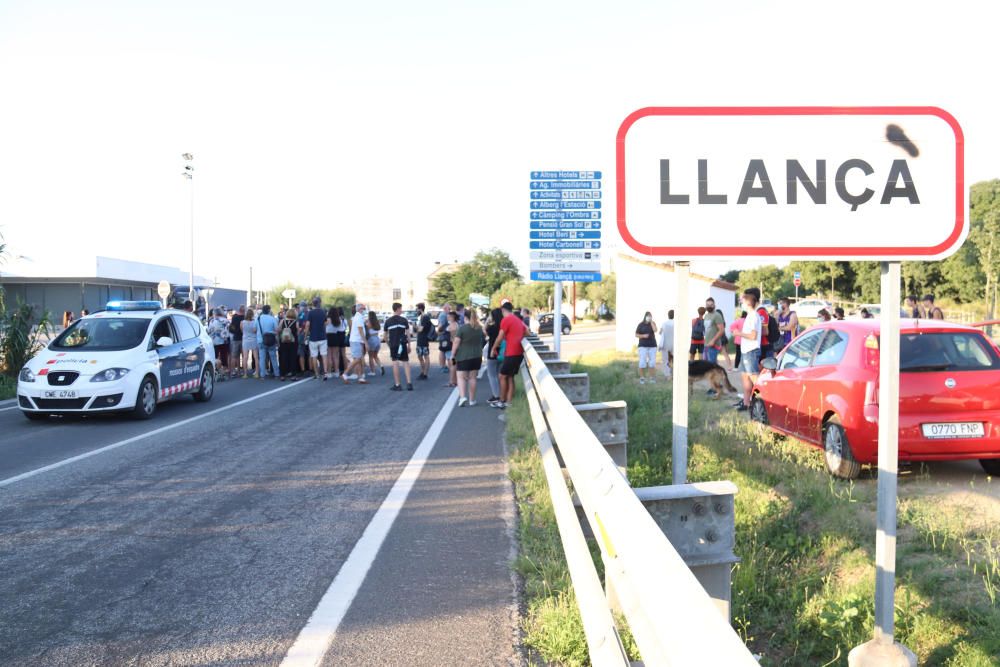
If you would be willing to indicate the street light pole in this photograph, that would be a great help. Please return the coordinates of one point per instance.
(189, 175)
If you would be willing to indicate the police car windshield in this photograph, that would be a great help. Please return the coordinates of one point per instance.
(103, 334)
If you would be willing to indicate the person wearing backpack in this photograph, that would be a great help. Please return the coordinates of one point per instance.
(288, 343)
(697, 350)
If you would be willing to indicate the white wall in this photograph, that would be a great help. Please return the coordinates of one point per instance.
(654, 288)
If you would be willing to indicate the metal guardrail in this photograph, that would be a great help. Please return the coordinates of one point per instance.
(673, 619)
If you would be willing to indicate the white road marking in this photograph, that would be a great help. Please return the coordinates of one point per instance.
(13, 407)
(316, 637)
(142, 436)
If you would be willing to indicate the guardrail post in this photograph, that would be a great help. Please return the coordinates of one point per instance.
(576, 386)
(609, 422)
(699, 520)
(557, 367)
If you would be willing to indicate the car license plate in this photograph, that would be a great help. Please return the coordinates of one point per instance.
(954, 430)
(60, 393)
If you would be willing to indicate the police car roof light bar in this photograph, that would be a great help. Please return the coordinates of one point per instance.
(123, 306)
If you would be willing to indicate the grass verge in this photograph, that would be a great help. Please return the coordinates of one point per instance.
(8, 387)
(802, 594)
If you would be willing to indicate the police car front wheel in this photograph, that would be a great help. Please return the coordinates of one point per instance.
(145, 401)
(207, 387)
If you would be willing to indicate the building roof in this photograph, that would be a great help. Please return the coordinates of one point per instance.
(669, 266)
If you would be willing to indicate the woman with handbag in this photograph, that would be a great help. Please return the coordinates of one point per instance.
(288, 341)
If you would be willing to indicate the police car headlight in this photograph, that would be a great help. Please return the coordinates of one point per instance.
(110, 375)
(26, 375)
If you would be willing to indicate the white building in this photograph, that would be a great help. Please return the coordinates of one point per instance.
(647, 284)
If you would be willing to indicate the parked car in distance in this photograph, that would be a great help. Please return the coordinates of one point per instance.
(809, 308)
(823, 389)
(545, 324)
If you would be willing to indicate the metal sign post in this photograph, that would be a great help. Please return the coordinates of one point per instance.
(798, 281)
(883, 650)
(557, 317)
(682, 341)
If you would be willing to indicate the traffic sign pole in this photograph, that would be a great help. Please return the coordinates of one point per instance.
(682, 341)
(557, 318)
(883, 650)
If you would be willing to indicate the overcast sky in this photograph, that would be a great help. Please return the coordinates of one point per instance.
(334, 140)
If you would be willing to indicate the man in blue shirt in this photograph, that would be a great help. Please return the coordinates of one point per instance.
(316, 333)
(267, 339)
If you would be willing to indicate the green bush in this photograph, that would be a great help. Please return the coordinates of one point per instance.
(20, 339)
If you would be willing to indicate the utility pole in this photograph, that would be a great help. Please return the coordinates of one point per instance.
(188, 173)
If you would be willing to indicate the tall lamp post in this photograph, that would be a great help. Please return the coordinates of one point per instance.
(188, 173)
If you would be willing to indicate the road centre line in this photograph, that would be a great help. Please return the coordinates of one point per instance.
(317, 635)
(141, 436)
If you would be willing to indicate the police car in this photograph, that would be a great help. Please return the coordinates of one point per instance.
(127, 358)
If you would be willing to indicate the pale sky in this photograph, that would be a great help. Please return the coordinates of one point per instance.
(335, 140)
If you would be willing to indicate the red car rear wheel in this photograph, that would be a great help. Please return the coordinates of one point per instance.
(837, 451)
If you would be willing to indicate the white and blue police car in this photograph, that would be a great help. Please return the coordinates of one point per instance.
(126, 358)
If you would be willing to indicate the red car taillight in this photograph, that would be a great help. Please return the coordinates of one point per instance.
(871, 362)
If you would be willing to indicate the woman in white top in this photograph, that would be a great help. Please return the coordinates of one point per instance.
(250, 349)
(667, 343)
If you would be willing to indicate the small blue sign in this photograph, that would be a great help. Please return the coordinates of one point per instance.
(566, 204)
(565, 224)
(562, 175)
(565, 185)
(797, 275)
(564, 245)
(565, 215)
(565, 234)
(568, 276)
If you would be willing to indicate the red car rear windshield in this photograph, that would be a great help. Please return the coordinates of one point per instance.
(946, 351)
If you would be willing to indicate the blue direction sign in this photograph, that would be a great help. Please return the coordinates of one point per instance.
(565, 224)
(565, 234)
(565, 215)
(564, 245)
(566, 204)
(569, 276)
(565, 185)
(562, 175)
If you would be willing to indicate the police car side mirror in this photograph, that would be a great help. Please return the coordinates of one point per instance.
(164, 341)
(769, 363)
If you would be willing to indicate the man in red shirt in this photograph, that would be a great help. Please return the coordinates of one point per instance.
(511, 333)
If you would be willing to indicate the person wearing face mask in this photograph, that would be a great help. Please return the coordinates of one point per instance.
(715, 331)
(750, 337)
(646, 333)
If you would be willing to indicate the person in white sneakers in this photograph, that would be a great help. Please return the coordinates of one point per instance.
(359, 346)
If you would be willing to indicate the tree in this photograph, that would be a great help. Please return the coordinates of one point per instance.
(603, 293)
(442, 288)
(483, 274)
(984, 219)
(769, 279)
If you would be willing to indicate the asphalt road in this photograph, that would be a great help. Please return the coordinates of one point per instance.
(211, 541)
(585, 339)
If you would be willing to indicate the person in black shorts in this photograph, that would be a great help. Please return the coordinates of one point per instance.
(424, 327)
(397, 330)
(511, 334)
(468, 357)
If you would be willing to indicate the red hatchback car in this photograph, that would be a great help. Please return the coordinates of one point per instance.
(823, 388)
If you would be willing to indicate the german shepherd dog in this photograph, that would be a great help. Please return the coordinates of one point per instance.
(705, 372)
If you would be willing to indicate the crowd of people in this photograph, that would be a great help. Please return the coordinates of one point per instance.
(309, 340)
(755, 337)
